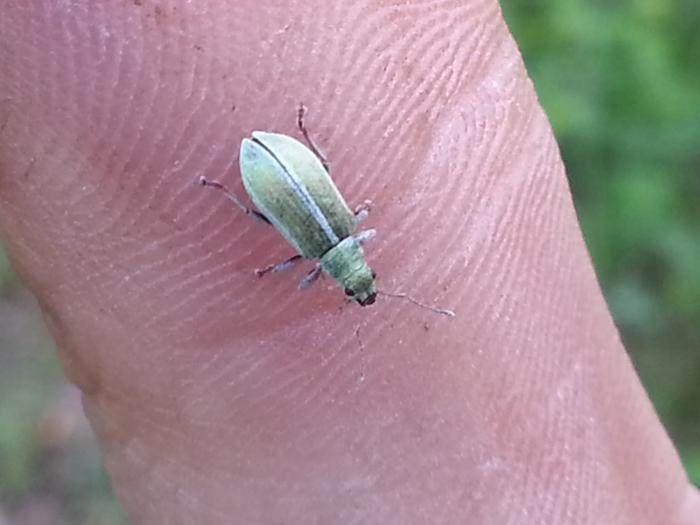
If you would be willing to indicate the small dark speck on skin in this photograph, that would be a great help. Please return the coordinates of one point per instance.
(198, 47)
(233, 107)
(426, 327)
(138, 2)
(359, 340)
(27, 171)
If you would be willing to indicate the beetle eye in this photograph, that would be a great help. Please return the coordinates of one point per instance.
(349, 292)
(374, 274)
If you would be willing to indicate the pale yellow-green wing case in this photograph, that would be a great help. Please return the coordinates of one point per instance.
(290, 186)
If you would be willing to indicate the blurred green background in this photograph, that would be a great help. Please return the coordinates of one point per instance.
(620, 82)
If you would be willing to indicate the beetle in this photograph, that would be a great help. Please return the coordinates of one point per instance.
(291, 186)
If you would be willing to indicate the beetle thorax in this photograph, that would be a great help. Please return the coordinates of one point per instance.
(345, 262)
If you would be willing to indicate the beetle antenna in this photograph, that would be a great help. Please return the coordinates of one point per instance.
(401, 295)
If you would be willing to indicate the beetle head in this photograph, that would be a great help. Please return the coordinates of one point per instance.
(362, 290)
(346, 263)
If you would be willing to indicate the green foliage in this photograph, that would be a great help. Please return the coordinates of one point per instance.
(48, 456)
(621, 85)
(6, 275)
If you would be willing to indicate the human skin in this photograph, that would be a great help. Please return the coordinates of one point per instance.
(218, 397)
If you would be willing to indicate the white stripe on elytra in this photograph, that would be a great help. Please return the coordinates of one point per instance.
(302, 192)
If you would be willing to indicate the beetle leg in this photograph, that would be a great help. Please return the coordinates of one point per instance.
(364, 236)
(362, 211)
(234, 198)
(280, 267)
(305, 132)
(310, 277)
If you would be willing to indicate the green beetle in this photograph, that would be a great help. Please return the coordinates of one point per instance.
(291, 186)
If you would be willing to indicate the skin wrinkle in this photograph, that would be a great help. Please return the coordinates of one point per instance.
(217, 396)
